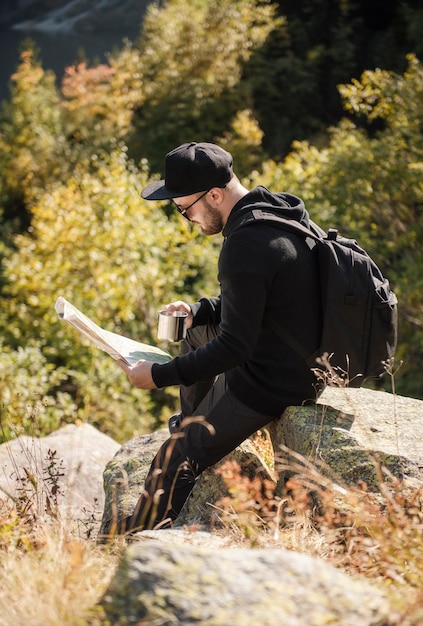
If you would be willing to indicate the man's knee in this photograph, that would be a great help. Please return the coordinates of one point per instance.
(177, 455)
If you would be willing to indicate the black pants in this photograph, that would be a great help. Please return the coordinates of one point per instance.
(214, 424)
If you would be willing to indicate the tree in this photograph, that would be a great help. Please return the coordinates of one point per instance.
(31, 138)
(192, 58)
(294, 75)
(118, 258)
(99, 102)
(320, 44)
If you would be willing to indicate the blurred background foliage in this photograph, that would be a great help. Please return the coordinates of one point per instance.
(276, 84)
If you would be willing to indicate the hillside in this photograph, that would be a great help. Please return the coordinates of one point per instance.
(71, 15)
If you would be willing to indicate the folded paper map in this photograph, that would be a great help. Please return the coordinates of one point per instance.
(117, 346)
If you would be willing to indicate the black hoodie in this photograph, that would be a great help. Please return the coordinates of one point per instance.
(264, 272)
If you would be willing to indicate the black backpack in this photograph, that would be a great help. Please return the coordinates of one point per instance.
(359, 333)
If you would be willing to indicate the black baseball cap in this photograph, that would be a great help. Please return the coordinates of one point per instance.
(190, 168)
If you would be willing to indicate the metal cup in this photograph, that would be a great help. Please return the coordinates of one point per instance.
(172, 325)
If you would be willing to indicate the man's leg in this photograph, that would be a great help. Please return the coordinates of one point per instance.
(190, 397)
(222, 422)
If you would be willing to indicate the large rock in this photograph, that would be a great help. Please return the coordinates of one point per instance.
(351, 430)
(74, 457)
(345, 434)
(162, 583)
(125, 474)
(171, 578)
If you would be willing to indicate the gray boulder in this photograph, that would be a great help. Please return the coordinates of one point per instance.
(170, 584)
(345, 435)
(74, 458)
(350, 430)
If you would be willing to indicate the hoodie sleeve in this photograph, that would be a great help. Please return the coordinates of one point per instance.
(206, 311)
(245, 281)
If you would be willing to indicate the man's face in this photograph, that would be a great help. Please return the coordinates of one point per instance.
(198, 210)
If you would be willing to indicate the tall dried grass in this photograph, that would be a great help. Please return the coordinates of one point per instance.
(48, 576)
(376, 535)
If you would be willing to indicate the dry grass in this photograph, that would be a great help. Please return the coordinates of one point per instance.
(48, 578)
(377, 536)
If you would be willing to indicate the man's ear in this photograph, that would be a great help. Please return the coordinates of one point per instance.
(217, 195)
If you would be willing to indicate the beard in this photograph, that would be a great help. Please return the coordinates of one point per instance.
(212, 220)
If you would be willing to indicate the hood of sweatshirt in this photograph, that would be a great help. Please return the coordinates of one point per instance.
(283, 204)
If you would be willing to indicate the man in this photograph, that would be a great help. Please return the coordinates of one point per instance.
(236, 373)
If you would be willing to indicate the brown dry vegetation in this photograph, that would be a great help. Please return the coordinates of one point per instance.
(51, 575)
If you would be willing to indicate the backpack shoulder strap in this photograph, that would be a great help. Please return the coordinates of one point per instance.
(311, 236)
(313, 232)
(292, 225)
(263, 213)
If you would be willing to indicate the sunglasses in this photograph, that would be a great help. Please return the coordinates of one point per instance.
(183, 211)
